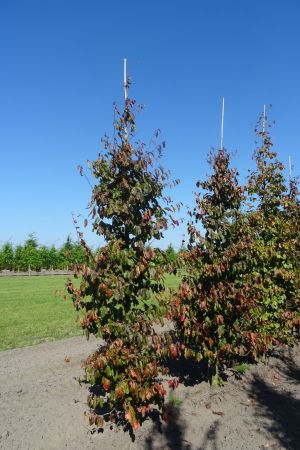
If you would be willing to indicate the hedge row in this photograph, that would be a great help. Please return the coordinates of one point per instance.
(33, 256)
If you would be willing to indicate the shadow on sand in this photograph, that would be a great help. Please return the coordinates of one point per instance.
(170, 435)
(279, 408)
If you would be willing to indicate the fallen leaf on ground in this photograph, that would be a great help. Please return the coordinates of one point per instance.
(219, 413)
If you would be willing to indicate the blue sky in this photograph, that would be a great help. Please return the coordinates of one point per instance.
(61, 69)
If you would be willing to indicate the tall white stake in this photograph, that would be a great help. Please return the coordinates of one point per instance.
(222, 123)
(290, 167)
(125, 79)
(264, 119)
(125, 92)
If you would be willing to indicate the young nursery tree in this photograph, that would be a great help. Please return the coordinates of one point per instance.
(122, 283)
(292, 218)
(213, 302)
(19, 260)
(170, 253)
(274, 254)
(6, 256)
(31, 255)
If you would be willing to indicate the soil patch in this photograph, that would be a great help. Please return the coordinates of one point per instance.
(42, 406)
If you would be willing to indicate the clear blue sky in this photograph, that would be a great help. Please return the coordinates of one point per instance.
(61, 69)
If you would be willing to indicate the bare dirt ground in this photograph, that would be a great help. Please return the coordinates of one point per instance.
(42, 406)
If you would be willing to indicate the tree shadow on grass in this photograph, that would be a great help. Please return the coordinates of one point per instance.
(281, 410)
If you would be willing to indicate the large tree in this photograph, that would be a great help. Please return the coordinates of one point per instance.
(122, 283)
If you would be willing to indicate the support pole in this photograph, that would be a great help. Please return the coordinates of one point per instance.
(125, 95)
(290, 167)
(125, 79)
(222, 123)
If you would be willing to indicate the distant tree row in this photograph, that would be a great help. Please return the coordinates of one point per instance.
(36, 257)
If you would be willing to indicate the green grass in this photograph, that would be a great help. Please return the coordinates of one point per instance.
(242, 368)
(33, 312)
(175, 401)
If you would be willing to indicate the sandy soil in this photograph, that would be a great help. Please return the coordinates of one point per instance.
(42, 406)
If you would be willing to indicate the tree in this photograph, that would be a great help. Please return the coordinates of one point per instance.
(65, 253)
(53, 258)
(19, 261)
(274, 252)
(48, 257)
(31, 254)
(122, 282)
(212, 309)
(292, 220)
(292, 216)
(170, 253)
(70, 253)
(77, 256)
(7, 256)
(215, 307)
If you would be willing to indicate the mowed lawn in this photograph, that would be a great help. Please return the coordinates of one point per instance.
(32, 310)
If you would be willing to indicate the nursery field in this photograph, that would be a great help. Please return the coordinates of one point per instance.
(42, 406)
(33, 310)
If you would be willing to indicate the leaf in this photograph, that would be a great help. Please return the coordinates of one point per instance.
(99, 421)
(218, 413)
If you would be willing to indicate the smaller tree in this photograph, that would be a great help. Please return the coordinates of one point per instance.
(31, 255)
(78, 256)
(7, 257)
(273, 255)
(292, 221)
(213, 303)
(19, 260)
(171, 254)
(53, 258)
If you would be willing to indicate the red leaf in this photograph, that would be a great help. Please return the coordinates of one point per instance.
(133, 373)
(135, 425)
(105, 384)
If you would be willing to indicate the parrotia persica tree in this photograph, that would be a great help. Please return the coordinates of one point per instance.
(213, 304)
(274, 255)
(240, 295)
(121, 285)
(292, 216)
